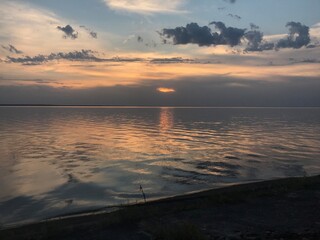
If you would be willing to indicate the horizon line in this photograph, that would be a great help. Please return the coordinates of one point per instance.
(144, 106)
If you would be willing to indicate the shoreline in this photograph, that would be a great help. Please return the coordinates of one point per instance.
(115, 207)
(135, 218)
(107, 209)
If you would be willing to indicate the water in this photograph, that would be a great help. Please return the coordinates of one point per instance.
(57, 160)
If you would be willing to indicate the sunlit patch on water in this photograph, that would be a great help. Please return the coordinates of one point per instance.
(60, 160)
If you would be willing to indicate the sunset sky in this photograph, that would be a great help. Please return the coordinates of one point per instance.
(160, 52)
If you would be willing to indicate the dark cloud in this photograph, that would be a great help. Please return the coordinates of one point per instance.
(171, 60)
(68, 31)
(267, 46)
(255, 41)
(89, 56)
(203, 36)
(28, 60)
(192, 33)
(139, 39)
(83, 55)
(254, 26)
(235, 16)
(121, 59)
(298, 36)
(11, 49)
(228, 35)
(305, 60)
(312, 46)
(254, 38)
(230, 1)
(75, 55)
(151, 44)
(91, 33)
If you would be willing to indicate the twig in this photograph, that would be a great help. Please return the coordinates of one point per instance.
(144, 196)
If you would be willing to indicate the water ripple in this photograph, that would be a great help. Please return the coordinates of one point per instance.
(60, 159)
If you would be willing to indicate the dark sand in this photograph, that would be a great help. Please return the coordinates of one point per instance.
(277, 209)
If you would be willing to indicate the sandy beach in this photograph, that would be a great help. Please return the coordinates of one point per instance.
(276, 209)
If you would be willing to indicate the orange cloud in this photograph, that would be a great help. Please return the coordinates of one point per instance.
(166, 90)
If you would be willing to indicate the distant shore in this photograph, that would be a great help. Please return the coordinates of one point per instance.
(276, 209)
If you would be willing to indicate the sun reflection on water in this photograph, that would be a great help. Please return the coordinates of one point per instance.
(166, 119)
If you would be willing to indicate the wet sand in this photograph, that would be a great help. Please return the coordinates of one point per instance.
(276, 209)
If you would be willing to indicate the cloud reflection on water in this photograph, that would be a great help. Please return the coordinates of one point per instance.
(58, 160)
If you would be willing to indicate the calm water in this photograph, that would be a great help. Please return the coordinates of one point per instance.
(57, 160)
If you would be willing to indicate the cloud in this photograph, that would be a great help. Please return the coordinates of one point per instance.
(305, 60)
(130, 37)
(195, 91)
(203, 36)
(91, 33)
(230, 1)
(139, 39)
(254, 39)
(254, 26)
(255, 43)
(146, 6)
(76, 73)
(171, 60)
(84, 55)
(33, 30)
(166, 90)
(192, 33)
(11, 49)
(68, 31)
(229, 35)
(23, 80)
(312, 46)
(298, 36)
(89, 56)
(235, 16)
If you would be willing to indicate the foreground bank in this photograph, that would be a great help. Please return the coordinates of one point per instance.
(276, 209)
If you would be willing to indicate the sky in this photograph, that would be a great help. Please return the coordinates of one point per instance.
(224, 53)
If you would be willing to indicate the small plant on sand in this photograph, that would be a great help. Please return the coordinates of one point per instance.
(143, 194)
